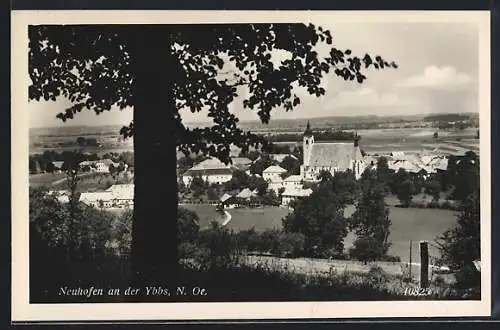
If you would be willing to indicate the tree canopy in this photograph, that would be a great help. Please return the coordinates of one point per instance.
(162, 71)
(94, 67)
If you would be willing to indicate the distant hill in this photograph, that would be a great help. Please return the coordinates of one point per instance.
(447, 117)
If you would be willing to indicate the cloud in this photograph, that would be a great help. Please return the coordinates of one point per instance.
(362, 98)
(434, 77)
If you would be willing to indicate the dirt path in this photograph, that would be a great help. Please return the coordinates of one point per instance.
(323, 266)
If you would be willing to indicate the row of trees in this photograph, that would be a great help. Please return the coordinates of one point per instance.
(200, 189)
(43, 162)
(320, 217)
(334, 135)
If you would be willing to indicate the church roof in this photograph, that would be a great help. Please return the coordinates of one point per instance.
(337, 155)
(308, 131)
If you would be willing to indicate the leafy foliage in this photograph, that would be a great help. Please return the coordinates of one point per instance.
(405, 192)
(202, 67)
(187, 224)
(291, 164)
(320, 217)
(371, 221)
(261, 164)
(93, 66)
(460, 245)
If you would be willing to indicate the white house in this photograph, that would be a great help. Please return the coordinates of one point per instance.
(292, 194)
(57, 166)
(122, 195)
(273, 173)
(332, 157)
(241, 163)
(210, 170)
(99, 166)
(61, 195)
(292, 182)
(99, 199)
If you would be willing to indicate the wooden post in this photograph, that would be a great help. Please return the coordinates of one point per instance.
(424, 264)
(411, 243)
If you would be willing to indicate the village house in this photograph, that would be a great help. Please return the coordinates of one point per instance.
(57, 166)
(61, 195)
(241, 163)
(98, 199)
(330, 156)
(273, 173)
(210, 170)
(422, 163)
(122, 195)
(228, 201)
(292, 182)
(245, 196)
(99, 166)
(292, 194)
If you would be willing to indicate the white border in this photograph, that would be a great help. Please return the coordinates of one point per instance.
(23, 311)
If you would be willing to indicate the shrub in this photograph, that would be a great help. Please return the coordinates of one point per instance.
(289, 244)
(219, 248)
(390, 258)
(377, 277)
(366, 249)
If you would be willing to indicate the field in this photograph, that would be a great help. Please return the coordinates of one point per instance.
(45, 179)
(54, 138)
(259, 218)
(413, 140)
(407, 224)
(88, 181)
(373, 141)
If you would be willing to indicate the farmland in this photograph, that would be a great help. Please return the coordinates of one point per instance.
(380, 140)
(258, 218)
(413, 140)
(407, 224)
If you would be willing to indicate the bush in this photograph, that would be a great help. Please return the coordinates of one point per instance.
(366, 249)
(289, 244)
(218, 247)
(377, 277)
(390, 258)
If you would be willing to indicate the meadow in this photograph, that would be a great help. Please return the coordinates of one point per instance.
(261, 219)
(413, 224)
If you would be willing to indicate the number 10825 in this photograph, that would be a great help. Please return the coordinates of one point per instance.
(410, 291)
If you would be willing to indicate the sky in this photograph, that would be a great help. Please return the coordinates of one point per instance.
(438, 73)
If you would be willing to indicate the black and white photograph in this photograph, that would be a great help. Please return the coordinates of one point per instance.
(255, 160)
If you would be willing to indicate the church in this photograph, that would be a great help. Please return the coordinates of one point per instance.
(333, 157)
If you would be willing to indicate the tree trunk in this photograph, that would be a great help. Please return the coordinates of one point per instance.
(154, 229)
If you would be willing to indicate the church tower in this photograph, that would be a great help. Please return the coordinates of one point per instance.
(307, 144)
(357, 158)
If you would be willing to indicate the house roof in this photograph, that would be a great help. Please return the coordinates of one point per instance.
(225, 197)
(241, 161)
(293, 178)
(338, 155)
(274, 169)
(58, 163)
(297, 192)
(96, 196)
(245, 193)
(209, 171)
(409, 166)
(398, 155)
(107, 162)
(210, 163)
(122, 191)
